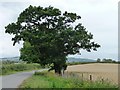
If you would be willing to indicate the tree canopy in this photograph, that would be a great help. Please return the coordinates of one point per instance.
(50, 35)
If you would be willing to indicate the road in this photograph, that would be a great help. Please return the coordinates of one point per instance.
(14, 80)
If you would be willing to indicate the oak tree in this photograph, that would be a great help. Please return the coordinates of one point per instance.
(52, 35)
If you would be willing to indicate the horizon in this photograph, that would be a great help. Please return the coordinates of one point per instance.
(67, 57)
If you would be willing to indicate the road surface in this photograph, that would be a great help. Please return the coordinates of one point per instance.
(14, 80)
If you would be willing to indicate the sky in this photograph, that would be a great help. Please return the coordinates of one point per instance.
(100, 17)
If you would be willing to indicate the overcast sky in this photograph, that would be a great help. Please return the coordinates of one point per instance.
(100, 17)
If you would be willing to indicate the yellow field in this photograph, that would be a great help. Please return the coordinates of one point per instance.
(102, 71)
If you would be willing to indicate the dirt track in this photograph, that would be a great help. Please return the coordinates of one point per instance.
(97, 70)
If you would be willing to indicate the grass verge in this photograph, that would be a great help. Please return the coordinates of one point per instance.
(50, 80)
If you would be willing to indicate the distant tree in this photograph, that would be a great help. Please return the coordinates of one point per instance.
(107, 60)
(52, 36)
(104, 60)
(114, 61)
(98, 60)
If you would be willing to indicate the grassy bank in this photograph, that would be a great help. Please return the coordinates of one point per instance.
(13, 68)
(50, 80)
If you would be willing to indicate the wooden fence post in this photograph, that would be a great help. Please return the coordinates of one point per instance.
(90, 77)
(102, 80)
(82, 76)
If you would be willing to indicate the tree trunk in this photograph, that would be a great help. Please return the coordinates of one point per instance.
(57, 68)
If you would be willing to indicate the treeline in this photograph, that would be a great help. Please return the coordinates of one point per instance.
(96, 61)
(106, 61)
(77, 63)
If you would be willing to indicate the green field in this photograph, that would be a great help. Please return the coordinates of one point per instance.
(50, 80)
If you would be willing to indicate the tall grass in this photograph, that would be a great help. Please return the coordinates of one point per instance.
(50, 80)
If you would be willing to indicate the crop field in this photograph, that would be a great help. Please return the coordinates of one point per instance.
(96, 71)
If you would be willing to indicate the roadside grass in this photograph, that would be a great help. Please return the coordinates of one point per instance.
(50, 80)
(7, 69)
